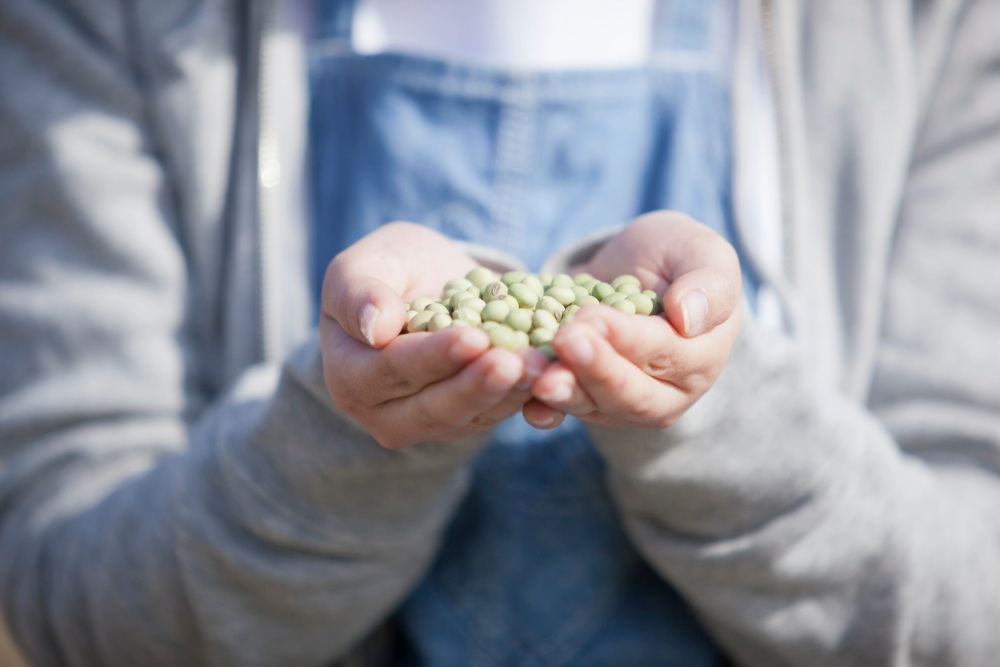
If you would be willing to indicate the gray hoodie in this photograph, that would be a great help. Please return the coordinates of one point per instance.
(177, 488)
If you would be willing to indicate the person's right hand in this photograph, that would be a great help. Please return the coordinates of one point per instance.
(419, 386)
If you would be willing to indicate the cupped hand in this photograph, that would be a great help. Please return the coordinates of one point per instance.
(421, 386)
(618, 369)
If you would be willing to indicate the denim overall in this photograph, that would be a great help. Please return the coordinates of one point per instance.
(535, 568)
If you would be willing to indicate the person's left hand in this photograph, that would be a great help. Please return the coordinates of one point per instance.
(617, 369)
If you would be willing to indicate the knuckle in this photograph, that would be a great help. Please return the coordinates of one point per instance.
(394, 382)
(483, 422)
(662, 364)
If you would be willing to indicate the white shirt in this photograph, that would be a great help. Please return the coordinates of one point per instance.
(511, 34)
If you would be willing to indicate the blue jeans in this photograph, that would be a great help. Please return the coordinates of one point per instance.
(535, 568)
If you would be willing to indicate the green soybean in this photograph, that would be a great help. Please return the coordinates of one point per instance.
(458, 283)
(562, 294)
(512, 277)
(525, 295)
(421, 303)
(505, 337)
(475, 304)
(458, 297)
(625, 279)
(543, 319)
(540, 336)
(562, 280)
(601, 290)
(495, 311)
(480, 276)
(549, 304)
(579, 291)
(493, 291)
(439, 321)
(629, 288)
(534, 283)
(468, 315)
(511, 302)
(625, 306)
(520, 309)
(519, 320)
(419, 321)
(643, 304)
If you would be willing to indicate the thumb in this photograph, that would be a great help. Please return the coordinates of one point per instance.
(367, 308)
(702, 268)
(698, 301)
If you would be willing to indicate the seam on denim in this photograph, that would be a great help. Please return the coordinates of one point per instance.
(513, 164)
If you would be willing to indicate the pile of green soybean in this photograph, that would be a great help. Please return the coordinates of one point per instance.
(520, 309)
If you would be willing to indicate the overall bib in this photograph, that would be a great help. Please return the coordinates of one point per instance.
(535, 568)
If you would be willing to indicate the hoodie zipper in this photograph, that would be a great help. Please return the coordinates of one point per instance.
(768, 30)
(268, 178)
(783, 275)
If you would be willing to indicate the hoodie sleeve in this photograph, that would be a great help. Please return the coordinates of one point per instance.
(809, 528)
(147, 518)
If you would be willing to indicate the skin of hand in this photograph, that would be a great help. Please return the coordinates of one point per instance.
(421, 386)
(617, 369)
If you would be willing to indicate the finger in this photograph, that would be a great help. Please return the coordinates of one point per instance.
(701, 267)
(477, 398)
(366, 284)
(369, 309)
(654, 347)
(404, 367)
(559, 389)
(534, 364)
(491, 376)
(700, 300)
(621, 391)
(542, 416)
(650, 343)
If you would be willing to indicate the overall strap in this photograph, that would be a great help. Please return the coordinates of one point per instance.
(690, 35)
(334, 21)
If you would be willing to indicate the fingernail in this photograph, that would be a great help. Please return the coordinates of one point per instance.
(561, 393)
(548, 421)
(575, 348)
(466, 346)
(694, 308)
(499, 380)
(369, 314)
